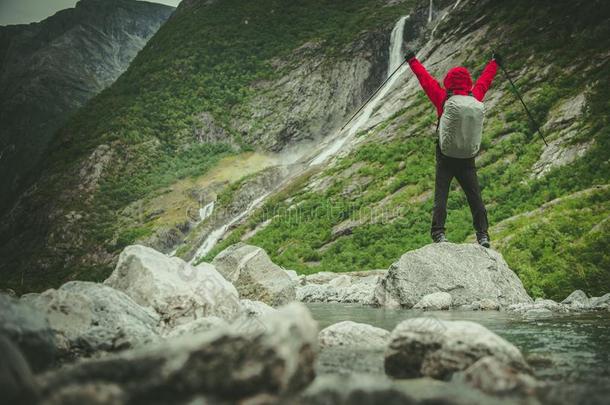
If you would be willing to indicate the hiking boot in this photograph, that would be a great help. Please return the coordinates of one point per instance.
(484, 241)
(439, 238)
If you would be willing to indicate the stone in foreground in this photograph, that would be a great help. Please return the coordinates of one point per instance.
(492, 377)
(435, 301)
(366, 389)
(353, 334)
(177, 291)
(254, 275)
(229, 363)
(430, 347)
(29, 329)
(89, 317)
(466, 271)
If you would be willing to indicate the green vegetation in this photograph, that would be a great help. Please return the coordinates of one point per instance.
(560, 251)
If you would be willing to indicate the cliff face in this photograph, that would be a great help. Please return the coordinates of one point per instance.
(49, 69)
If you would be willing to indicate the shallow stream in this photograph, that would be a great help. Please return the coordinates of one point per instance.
(565, 347)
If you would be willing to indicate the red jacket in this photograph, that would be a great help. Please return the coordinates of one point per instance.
(457, 80)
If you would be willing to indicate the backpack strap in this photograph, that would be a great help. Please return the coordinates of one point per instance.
(449, 94)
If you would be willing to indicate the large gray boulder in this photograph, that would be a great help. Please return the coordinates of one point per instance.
(351, 287)
(431, 347)
(353, 335)
(30, 330)
(254, 275)
(229, 363)
(468, 272)
(88, 317)
(174, 289)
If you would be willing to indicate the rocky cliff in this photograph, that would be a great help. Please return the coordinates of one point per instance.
(51, 68)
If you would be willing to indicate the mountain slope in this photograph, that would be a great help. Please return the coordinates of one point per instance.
(169, 117)
(188, 129)
(368, 207)
(49, 69)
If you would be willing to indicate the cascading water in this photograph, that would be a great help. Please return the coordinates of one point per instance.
(217, 233)
(396, 58)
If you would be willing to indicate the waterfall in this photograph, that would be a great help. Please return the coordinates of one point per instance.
(216, 234)
(396, 58)
(206, 211)
(430, 13)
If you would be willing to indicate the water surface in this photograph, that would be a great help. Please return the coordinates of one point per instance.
(563, 347)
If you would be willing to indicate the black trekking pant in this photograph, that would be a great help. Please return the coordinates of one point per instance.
(465, 171)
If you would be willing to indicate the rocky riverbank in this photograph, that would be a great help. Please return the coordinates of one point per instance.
(160, 330)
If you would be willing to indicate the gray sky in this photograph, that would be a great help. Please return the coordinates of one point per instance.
(26, 11)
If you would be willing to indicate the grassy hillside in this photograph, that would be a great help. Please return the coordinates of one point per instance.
(142, 134)
(378, 198)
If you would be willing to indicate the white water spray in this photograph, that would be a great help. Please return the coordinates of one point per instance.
(217, 233)
(396, 58)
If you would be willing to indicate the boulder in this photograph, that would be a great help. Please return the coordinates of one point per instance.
(493, 377)
(196, 326)
(343, 288)
(577, 299)
(225, 363)
(353, 334)
(88, 393)
(255, 308)
(17, 383)
(600, 303)
(540, 306)
(366, 389)
(30, 330)
(88, 317)
(174, 289)
(254, 275)
(431, 347)
(468, 272)
(435, 301)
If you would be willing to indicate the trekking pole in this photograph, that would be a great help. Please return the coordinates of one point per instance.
(522, 102)
(373, 95)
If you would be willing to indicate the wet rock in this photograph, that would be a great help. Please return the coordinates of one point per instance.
(356, 287)
(174, 289)
(541, 306)
(29, 329)
(435, 301)
(227, 363)
(353, 334)
(254, 275)
(493, 377)
(88, 393)
(430, 347)
(577, 300)
(255, 308)
(366, 389)
(466, 271)
(600, 303)
(197, 326)
(17, 384)
(88, 317)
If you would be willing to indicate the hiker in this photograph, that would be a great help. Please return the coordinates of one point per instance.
(460, 118)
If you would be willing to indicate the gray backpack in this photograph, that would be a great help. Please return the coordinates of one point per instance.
(460, 128)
